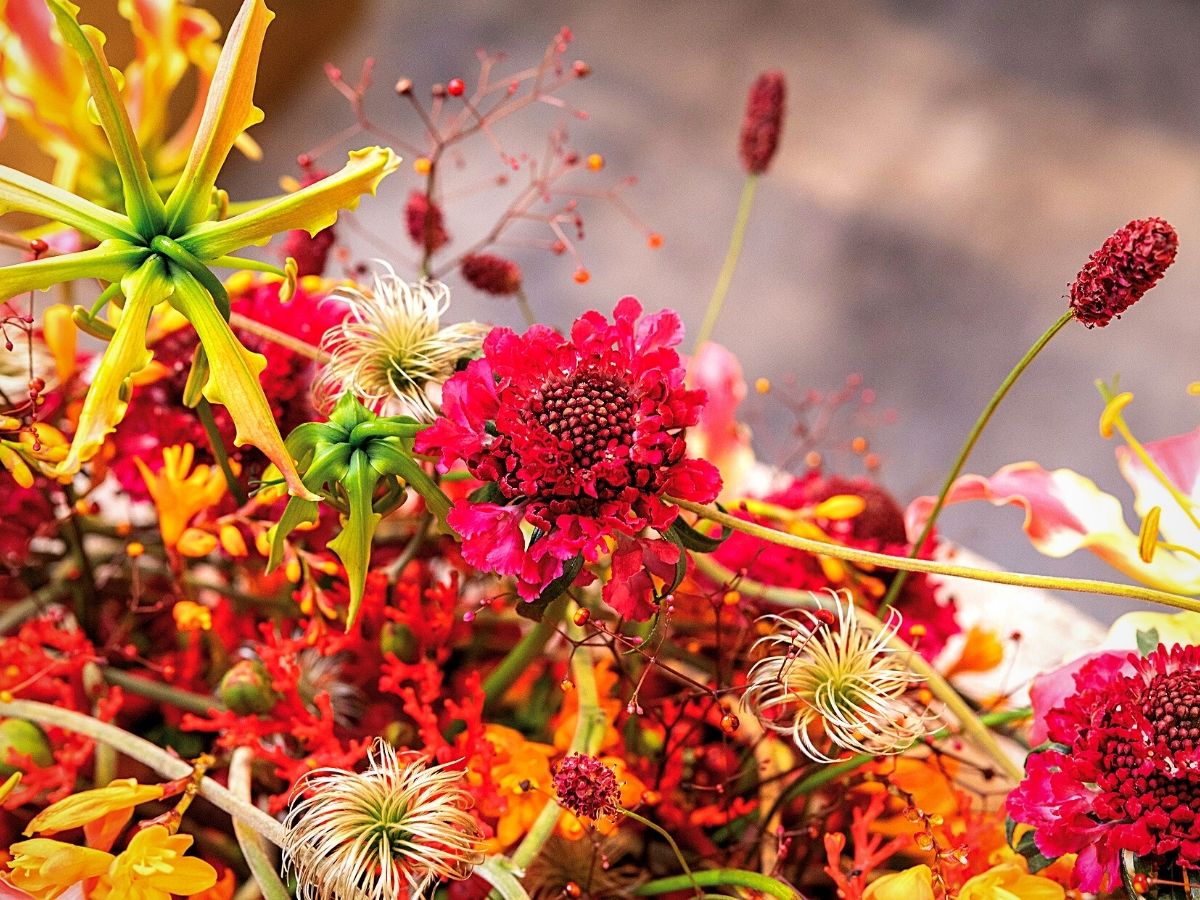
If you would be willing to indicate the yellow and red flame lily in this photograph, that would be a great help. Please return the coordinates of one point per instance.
(160, 250)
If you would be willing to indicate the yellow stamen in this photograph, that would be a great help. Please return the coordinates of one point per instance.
(1148, 536)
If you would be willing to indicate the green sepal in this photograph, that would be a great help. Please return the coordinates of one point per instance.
(353, 543)
(88, 323)
(487, 493)
(1147, 641)
(535, 609)
(329, 465)
(193, 388)
(297, 512)
(389, 458)
(304, 438)
(1027, 847)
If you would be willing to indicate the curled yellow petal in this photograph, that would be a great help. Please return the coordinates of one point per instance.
(195, 543)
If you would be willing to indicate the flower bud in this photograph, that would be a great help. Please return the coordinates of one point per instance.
(246, 689)
(491, 274)
(26, 739)
(763, 122)
(424, 220)
(1131, 262)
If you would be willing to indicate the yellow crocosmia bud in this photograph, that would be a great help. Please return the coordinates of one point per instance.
(195, 543)
(840, 506)
(262, 543)
(803, 529)
(8, 423)
(45, 868)
(833, 569)
(239, 282)
(911, 884)
(59, 335)
(232, 541)
(289, 184)
(1148, 536)
(190, 616)
(1194, 388)
(1112, 411)
(16, 466)
(291, 571)
(315, 284)
(88, 806)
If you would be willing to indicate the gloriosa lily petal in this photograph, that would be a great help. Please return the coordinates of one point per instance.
(312, 208)
(234, 380)
(110, 261)
(353, 543)
(142, 203)
(24, 193)
(228, 111)
(126, 355)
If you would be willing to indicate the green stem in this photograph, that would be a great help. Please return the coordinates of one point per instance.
(687, 870)
(86, 611)
(936, 682)
(520, 656)
(205, 413)
(587, 739)
(713, 877)
(931, 567)
(526, 309)
(253, 850)
(29, 606)
(969, 445)
(725, 279)
(163, 693)
(148, 754)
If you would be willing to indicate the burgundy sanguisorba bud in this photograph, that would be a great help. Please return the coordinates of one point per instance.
(491, 274)
(763, 121)
(423, 218)
(586, 786)
(1116, 276)
(311, 252)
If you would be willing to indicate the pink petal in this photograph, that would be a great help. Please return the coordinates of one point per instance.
(720, 437)
(492, 538)
(1179, 459)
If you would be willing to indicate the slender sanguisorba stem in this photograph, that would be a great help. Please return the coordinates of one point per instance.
(937, 684)
(725, 279)
(589, 730)
(969, 445)
(886, 561)
(718, 877)
(150, 755)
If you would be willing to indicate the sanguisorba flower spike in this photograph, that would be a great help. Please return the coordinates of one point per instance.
(159, 251)
(397, 827)
(825, 670)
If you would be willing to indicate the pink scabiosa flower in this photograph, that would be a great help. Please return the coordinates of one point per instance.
(580, 438)
(763, 122)
(1117, 275)
(1122, 771)
(586, 786)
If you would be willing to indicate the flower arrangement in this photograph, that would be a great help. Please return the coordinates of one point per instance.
(310, 590)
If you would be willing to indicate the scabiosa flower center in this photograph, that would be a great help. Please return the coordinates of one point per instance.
(590, 414)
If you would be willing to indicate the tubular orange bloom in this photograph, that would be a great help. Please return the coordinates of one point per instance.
(88, 806)
(180, 491)
(45, 868)
(153, 867)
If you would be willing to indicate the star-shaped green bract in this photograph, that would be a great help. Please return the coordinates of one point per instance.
(158, 250)
(360, 464)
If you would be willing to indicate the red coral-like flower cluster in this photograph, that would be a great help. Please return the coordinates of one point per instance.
(581, 437)
(1118, 275)
(1123, 772)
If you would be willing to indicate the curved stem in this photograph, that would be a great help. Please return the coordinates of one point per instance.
(526, 309)
(687, 870)
(148, 754)
(883, 560)
(969, 445)
(205, 414)
(725, 279)
(200, 704)
(253, 851)
(501, 678)
(275, 336)
(936, 682)
(711, 877)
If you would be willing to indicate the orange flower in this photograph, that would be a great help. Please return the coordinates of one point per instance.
(606, 681)
(517, 763)
(153, 867)
(88, 806)
(911, 884)
(45, 868)
(180, 492)
(981, 653)
(190, 616)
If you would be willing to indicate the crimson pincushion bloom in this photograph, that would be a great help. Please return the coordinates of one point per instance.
(581, 436)
(491, 274)
(1123, 771)
(586, 786)
(763, 122)
(423, 219)
(1117, 275)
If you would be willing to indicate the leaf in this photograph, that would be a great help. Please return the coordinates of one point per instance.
(24, 193)
(353, 544)
(297, 512)
(689, 538)
(126, 355)
(228, 111)
(312, 208)
(1147, 641)
(391, 459)
(535, 609)
(1027, 847)
(143, 206)
(233, 380)
(487, 493)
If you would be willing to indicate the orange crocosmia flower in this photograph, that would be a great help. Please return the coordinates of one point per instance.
(517, 762)
(88, 806)
(45, 868)
(191, 616)
(153, 867)
(911, 884)
(180, 492)
(929, 783)
(981, 653)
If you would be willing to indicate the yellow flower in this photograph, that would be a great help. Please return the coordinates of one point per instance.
(179, 491)
(518, 763)
(88, 806)
(1010, 881)
(911, 884)
(153, 867)
(190, 616)
(46, 868)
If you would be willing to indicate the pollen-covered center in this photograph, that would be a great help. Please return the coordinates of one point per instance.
(590, 414)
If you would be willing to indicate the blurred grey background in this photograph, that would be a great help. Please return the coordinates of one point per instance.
(946, 168)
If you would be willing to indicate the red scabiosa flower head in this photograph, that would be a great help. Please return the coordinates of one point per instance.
(425, 224)
(763, 122)
(1123, 769)
(491, 274)
(1131, 262)
(586, 786)
(581, 437)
